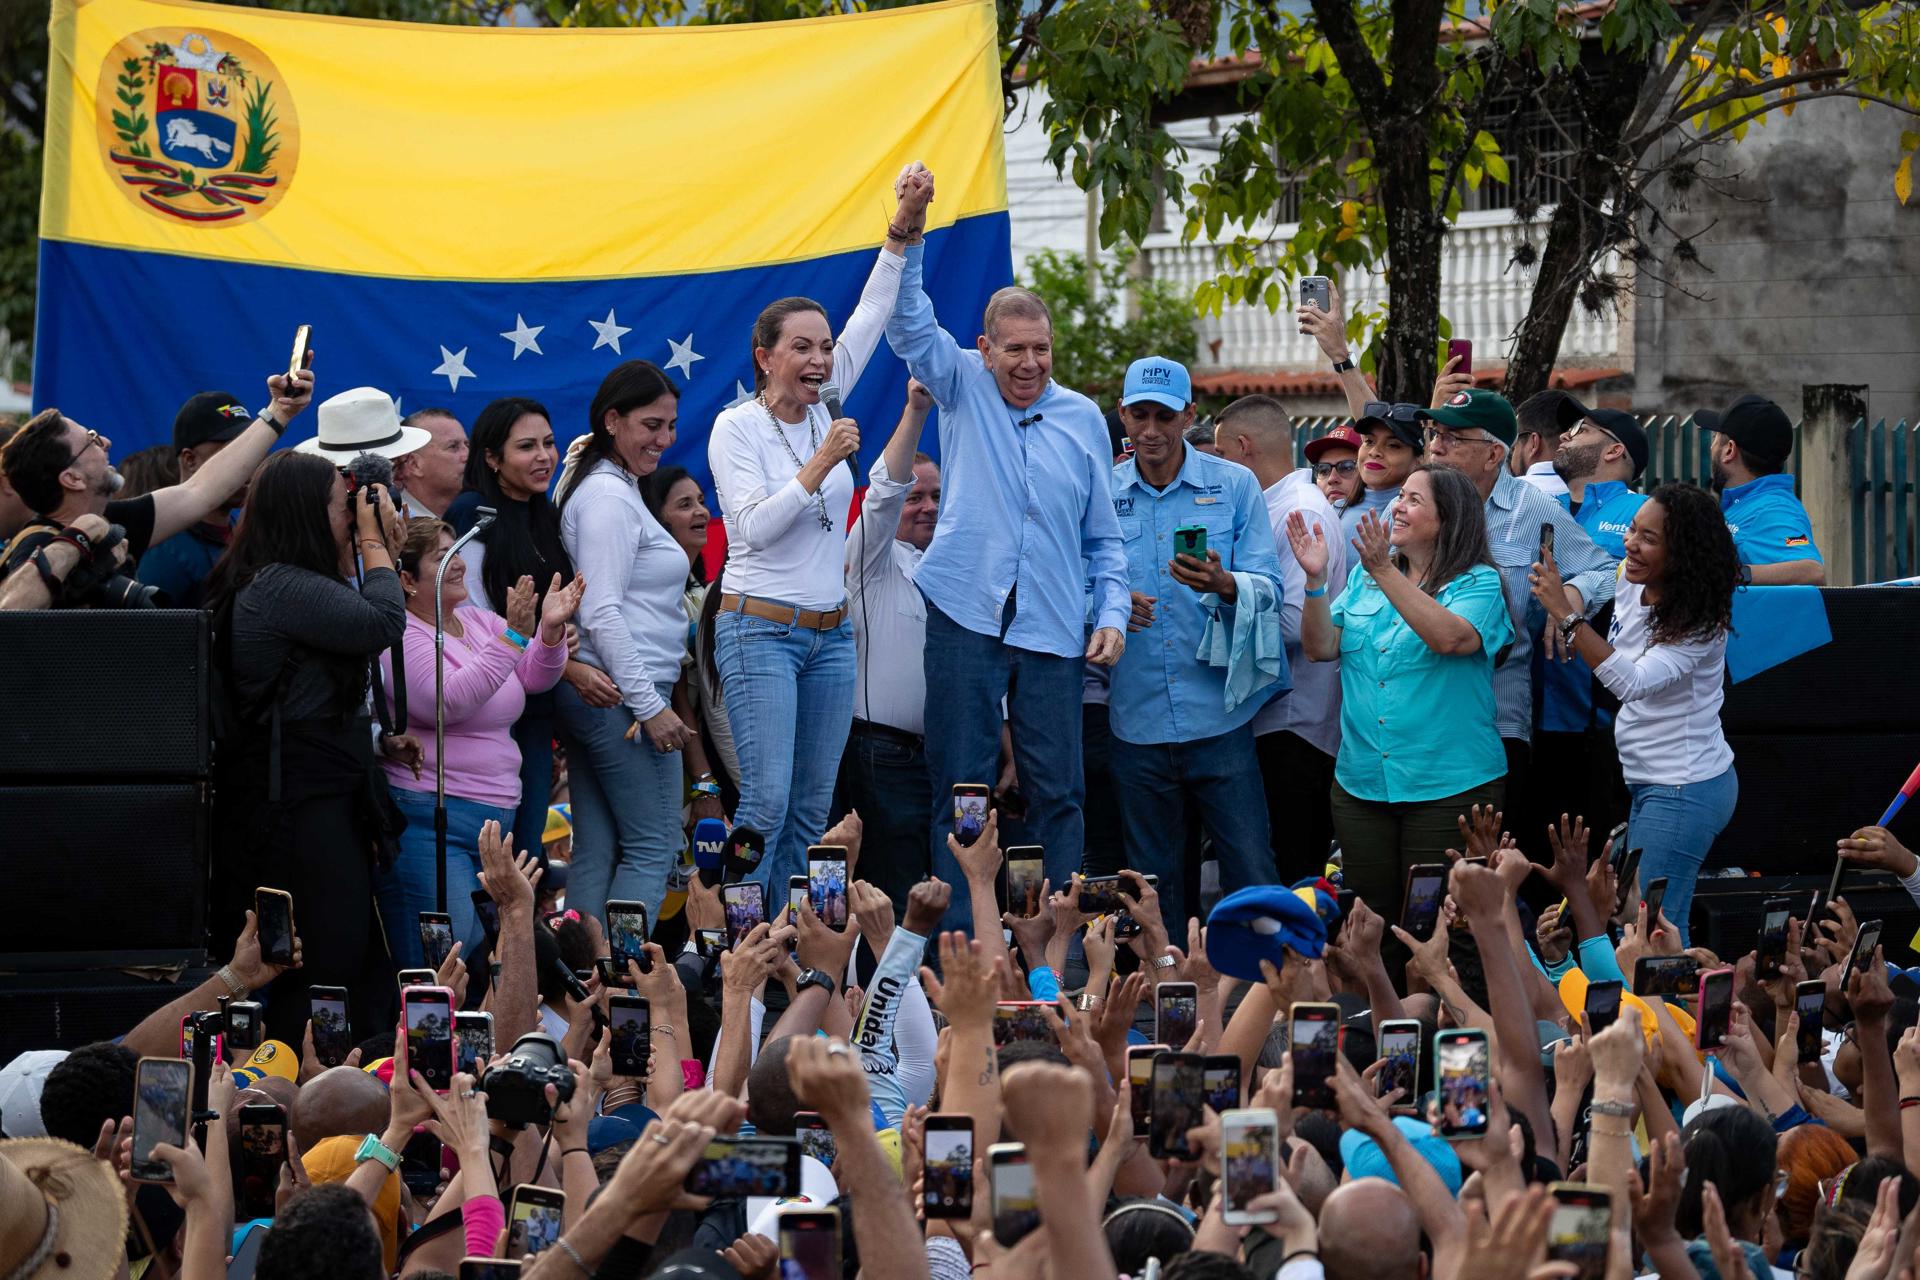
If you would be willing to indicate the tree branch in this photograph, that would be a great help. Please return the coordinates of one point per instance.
(1651, 101)
(1714, 135)
(1756, 89)
(1342, 30)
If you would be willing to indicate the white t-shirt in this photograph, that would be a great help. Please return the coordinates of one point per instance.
(784, 543)
(1312, 708)
(1668, 730)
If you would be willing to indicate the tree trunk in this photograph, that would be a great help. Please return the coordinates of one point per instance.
(1410, 343)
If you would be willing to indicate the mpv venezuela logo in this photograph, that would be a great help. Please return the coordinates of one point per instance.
(197, 126)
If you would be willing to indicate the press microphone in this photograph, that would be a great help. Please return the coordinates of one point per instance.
(709, 849)
(482, 517)
(830, 397)
(368, 469)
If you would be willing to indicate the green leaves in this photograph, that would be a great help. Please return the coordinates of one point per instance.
(1101, 324)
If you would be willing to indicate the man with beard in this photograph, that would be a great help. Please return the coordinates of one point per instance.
(1543, 416)
(179, 566)
(1752, 441)
(60, 470)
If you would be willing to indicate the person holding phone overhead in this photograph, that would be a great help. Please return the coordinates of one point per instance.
(783, 467)
(1417, 632)
(1665, 658)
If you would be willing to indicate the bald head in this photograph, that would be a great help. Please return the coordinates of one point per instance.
(1256, 432)
(338, 1102)
(1369, 1231)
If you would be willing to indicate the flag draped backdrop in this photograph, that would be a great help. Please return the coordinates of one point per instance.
(467, 213)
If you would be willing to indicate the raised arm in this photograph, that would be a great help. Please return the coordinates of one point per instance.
(1329, 330)
(1443, 630)
(861, 335)
(188, 503)
(1484, 896)
(916, 337)
(870, 541)
(1319, 635)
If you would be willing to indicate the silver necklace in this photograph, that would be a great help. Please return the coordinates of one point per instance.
(813, 443)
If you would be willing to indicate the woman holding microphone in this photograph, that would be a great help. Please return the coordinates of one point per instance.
(1417, 632)
(783, 641)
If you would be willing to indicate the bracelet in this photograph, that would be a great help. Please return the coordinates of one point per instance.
(1315, 594)
(1909, 1102)
(566, 1246)
(515, 639)
(1299, 1253)
(898, 233)
(667, 1028)
(232, 979)
(1622, 1109)
(279, 427)
(705, 786)
(574, 1151)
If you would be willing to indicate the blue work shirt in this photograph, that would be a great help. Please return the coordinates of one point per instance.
(180, 565)
(1606, 512)
(1515, 512)
(1767, 522)
(1416, 724)
(1378, 501)
(1161, 691)
(1025, 509)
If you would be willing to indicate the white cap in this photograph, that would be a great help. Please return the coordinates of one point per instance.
(817, 1191)
(21, 1082)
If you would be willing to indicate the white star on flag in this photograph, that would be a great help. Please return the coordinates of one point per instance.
(683, 356)
(454, 367)
(740, 394)
(610, 331)
(524, 338)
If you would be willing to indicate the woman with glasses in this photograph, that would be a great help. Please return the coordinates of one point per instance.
(1416, 632)
(1665, 658)
(1391, 448)
(1335, 459)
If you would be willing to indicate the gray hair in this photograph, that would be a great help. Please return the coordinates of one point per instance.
(1014, 302)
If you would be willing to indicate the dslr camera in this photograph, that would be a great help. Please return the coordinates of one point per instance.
(516, 1087)
(99, 582)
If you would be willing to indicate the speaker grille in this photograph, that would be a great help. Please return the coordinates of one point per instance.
(67, 1010)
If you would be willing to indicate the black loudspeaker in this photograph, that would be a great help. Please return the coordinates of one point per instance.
(67, 1010)
(1862, 681)
(1727, 910)
(105, 693)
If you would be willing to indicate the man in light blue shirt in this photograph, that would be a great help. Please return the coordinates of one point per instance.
(1025, 522)
(1179, 735)
(1752, 441)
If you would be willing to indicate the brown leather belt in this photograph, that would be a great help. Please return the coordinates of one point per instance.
(811, 619)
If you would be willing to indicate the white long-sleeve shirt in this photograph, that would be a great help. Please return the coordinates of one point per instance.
(1312, 709)
(1668, 730)
(632, 625)
(889, 613)
(777, 545)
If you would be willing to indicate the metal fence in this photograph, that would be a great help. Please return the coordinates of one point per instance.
(1883, 462)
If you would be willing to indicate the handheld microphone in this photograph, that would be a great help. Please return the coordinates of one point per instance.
(709, 849)
(745, 846)
(830, 397)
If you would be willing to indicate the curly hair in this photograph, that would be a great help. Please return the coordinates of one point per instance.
(1696, 588)
(87, 1088)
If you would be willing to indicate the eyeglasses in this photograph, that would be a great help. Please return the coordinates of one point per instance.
(1585, 423)
(93, 438)
(1321, 470)
(1447, 439)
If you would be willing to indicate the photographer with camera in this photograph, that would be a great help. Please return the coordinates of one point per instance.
(61, 471)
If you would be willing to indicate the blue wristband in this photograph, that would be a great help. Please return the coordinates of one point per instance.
(514, 638)
(1317, 592)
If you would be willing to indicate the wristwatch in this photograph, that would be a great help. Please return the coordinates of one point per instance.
(1164, 962)
(371, 1148)
(1341, 366)
(1085, 1003)
(815, 978)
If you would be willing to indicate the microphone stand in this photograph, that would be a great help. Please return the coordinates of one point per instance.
(484, 516)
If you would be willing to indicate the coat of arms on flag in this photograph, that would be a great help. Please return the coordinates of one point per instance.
(197, 125)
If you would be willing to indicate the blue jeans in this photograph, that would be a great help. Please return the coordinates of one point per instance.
(1220, 776)
(410, 886)
(967, 675)
(789, 694)
(1676, 826)
(533, 734)
(626, 807)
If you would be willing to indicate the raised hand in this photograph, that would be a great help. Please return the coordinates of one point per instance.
(1374, 543)
(1309, 545)
(970, 983)
(519, 612)
(561, 603)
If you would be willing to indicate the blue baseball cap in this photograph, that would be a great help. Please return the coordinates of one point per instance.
(1363, 1157)
(1259, 923)
(1160, 380)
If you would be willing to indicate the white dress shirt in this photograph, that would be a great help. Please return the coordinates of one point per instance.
(1668, 730)
(1312, 710)
(1543, 477)
(889, 614)
(632, 624)
(777, 545)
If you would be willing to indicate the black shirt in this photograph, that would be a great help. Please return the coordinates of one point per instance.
(135, 515)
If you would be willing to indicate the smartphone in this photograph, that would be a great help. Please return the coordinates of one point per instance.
(1656, 897)
(302, 339)
(809, 1244)
(1316, 291)
(1603, 1004)
(1628, 874)
(1026, 870)
(1400, 1050)
(1581, 1228)
(488, 913)
(420, 1164)
(1810, 1002)
(162, 1097)
(1665, 976)
(1770, 949)
(1344, 900)
(263, 1149)
(798, 895)
(534, 1218)
(631, 1022)
(1100, 895)
(472, 1041)
(1463, 348)
(332, 1032)
(1176, 1012)
(1461, 1079)
(273, 917)
(489, 1269)
(1016, 1207)
(757, 1166)
(1834, 884)
(1426, 890)
(428, 1014)
(827, 884)
(190, 1032)
(1249, 1162)
(1220, 1079)
(744, 848)
(1715, 1009)
(1020, 1020)
(1190, 540)
(746, 905)
(948, 1172)
(1546, 543)
(418, 977)
(1140, 1084)
(246, 1025)
(969, 810)
(436, 937)
(709, 942)
(1863, 944)
(627, 936)
(1179, 1096)
(1314, 1033)
(816, 1139)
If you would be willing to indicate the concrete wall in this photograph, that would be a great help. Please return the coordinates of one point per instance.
(1810, 273)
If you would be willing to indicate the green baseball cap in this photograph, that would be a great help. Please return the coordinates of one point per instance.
(1475, 409)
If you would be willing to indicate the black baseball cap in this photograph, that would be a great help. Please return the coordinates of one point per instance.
(212, 417)
(1402, 420)
(1618, 423)
(1759, 426)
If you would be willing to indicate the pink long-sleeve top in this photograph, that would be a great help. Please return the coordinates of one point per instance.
(487, 684)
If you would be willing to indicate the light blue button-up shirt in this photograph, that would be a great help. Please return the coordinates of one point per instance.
(1416, 724)
(1768, 524)
(1024, 510)
(1161, 692)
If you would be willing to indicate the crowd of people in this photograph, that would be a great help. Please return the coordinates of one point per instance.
(1331, 746)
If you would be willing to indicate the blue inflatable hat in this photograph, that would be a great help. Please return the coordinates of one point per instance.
(1260, 923)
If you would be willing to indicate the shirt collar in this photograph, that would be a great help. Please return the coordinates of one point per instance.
(1762, 484)
(1188, 475)
(1507, 489)
(1601, 492)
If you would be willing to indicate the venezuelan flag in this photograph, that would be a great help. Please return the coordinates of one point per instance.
(467, 213)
